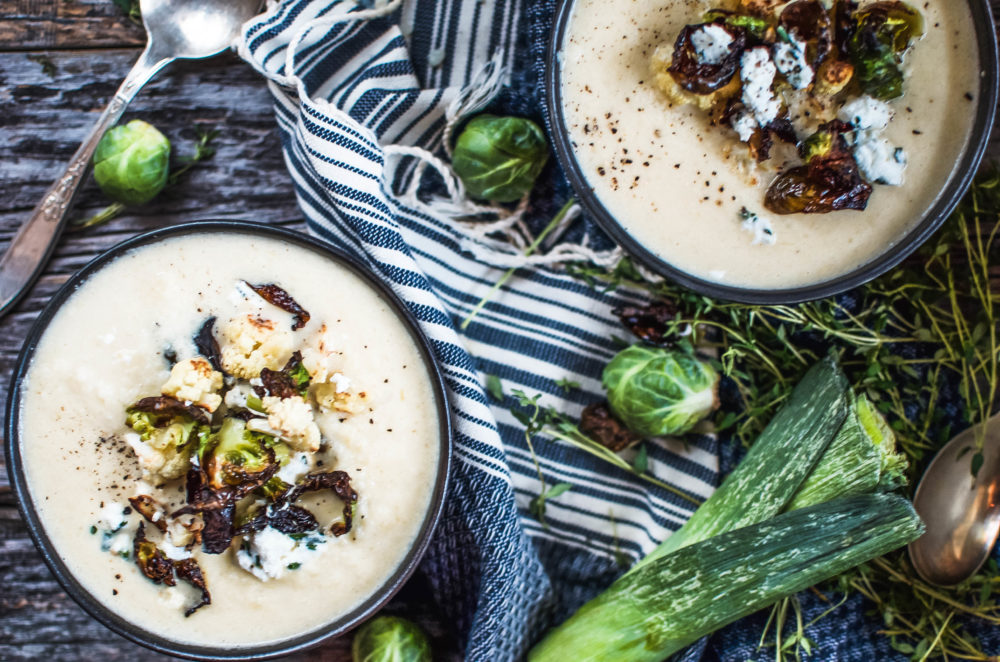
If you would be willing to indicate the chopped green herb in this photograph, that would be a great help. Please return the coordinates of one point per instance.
(93, 530)
(567, 384)
(294, 566)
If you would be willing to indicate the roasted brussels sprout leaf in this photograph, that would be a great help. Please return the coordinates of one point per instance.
(390, 639)
(238, 459)
(340, 483)
(151, 561)
(658, 392)
(164, 409)
(809, 21)
(207, 345)
(650, 322)
(189, 571)
(598, 423)
(146, 506)
(290, 381)
(499, 158)
(286, 518)
(132, 162)
(755, 26)
(830, 180)
(276, 296)
(703, 78)
(881, 33)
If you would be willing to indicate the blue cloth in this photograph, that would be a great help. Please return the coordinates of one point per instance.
(351, 84)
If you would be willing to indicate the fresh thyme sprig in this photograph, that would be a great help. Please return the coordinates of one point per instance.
(922, 343)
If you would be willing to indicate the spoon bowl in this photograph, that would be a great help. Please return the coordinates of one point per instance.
(961, 511)
(194, 30)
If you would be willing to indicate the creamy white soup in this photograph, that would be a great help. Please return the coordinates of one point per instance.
(113, 342)
(678, 185)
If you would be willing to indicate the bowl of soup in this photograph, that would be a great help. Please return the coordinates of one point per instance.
(228, 440)
(676, 180)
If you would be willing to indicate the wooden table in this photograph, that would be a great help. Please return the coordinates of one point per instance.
(60, 61)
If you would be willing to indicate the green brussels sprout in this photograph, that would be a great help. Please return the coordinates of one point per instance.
(499, 158)
(753, 24)
(132, 162)
(882, 32)
(237, 455)
(657, 392)
(390, 639)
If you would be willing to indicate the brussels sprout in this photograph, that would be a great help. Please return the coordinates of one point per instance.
(882, 32)
(754, 25)
(238, 454)
(390, 639)
(499, 158)
(698, 77)
(132, 162)
(658, 392)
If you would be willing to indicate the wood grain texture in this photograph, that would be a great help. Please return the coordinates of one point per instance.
(43, 116)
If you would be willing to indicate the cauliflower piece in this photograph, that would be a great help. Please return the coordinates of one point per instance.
(336, 395)
(318, 355)
(159, 464)
(251, 343)
(293, 419)
(194, 380)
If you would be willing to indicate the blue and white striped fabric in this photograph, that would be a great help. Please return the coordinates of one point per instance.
(349, 89)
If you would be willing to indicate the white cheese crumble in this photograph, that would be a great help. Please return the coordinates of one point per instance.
(879, 161)
(269, 553)
(112, 521)
(757, 72)
(744, 124)
(759, 227)
(296, 467)
(173, 552)
(866, 113)
(112, 516)
(790, 60)
(341, 383)
(711, 44)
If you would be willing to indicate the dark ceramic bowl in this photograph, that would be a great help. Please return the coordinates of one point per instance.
(949, 198)
(122, 626)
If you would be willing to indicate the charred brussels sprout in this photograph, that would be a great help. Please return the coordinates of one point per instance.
(499, 158)
(390, 639)
(699, 77)
(659, 392)
(754, 25)
(132, 162)
(830, 180)
(237, 455)
(882, 32)
(809, 21)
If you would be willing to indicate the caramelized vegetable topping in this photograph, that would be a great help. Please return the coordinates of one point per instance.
(151, 561)
(598, 423)
(704, 78)
(649, 323)
(808, 21)
(189, 571)
(829, 181)
(164, 408)
(207, 345)
(276, 296)
(291, 381)
(340, 483)
(146, 506)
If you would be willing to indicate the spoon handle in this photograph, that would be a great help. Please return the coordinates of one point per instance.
(33, 244)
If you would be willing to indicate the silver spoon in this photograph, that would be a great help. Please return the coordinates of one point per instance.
(962, 513)
(190, 29)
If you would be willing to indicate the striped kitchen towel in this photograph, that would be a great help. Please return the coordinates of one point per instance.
(366, 97)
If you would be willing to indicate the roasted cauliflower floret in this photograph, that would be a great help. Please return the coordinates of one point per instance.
(336, 395)
(160, 458)
(318, 356)
(194, 380)
(292, 419)
(251, 343)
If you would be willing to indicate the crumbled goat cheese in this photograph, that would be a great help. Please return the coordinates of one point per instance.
(251, 343)
(172, 551)
(879, 161)
(790, 60)
(711, 44)
(297, 466)
(744, 124)
(866, 113)
(236, 397)
(757, 72)
(194, 380)
(270, 553)
(112, 516)
(341, 383)
(759, 227)
(293, 419)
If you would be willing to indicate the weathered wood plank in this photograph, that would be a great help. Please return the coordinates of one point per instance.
(52, 24)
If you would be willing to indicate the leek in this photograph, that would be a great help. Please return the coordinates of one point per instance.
(659, 609)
